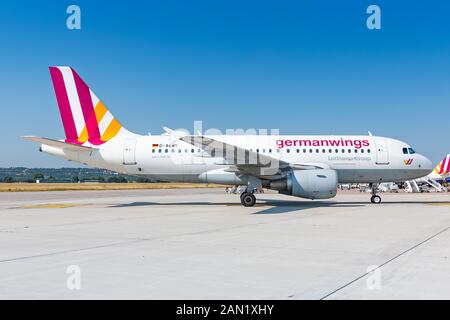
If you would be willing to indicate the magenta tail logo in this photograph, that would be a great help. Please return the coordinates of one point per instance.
(444, 166)
(84, 117)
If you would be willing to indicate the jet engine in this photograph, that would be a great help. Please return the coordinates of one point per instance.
(310, 184)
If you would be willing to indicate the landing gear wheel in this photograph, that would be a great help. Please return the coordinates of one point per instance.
(375, 199)
(248, 199)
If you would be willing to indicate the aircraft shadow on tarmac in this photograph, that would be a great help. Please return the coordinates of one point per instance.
(268, 206)
(288, 206)
(272, 206)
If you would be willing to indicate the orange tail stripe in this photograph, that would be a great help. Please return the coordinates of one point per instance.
(112, 130)
(84, 135)
(100, 111)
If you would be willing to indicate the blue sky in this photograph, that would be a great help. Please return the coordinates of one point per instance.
(304, 67)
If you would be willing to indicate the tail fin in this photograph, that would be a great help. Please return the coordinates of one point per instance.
(444, 166)
(84, 116)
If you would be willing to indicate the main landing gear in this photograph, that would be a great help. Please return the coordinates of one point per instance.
(248, 199)
(375, 198)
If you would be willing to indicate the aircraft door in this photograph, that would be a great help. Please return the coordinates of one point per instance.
(382, 152)
(129, 151)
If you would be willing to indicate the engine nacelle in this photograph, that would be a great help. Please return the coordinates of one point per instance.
(310, 184)
(221, 176)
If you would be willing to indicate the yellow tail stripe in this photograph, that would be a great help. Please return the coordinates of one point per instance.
(112, 130)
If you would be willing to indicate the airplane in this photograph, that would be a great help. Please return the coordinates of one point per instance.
(442, 170)
(303, 166)
(437, 179)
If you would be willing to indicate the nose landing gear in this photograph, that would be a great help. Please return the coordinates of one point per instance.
(375, 198)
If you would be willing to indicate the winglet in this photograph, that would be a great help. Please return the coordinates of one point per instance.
(174, 134)
(168, 130)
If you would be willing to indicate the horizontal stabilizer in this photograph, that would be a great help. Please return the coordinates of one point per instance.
(58, 144)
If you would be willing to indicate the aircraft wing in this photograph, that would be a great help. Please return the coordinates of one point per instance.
(244, 160)
(58, 144)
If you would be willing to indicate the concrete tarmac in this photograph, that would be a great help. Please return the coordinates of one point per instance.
(202, 244)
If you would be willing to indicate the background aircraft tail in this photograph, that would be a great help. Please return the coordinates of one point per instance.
(85, 118)
(444, 166)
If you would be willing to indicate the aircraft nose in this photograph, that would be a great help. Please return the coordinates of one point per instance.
(426, 164)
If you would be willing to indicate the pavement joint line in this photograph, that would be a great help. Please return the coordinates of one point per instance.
(193, 233)
(384, 263)
(67, 251)
(120, 243)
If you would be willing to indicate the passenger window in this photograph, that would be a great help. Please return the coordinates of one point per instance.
(349, 150)
(270, 150)
(362, 150)
(278, 150)
(330, 151)
(304, 150)
(179, 150)
(288, 150)
(192, 150)
(356, 150)
(343, 150)
(166, 150)
(310, 150)
(153, 151)
(298, 150)
(159, 150)
(368, 150)
(317, 150)
(323, 151)
(337, 151)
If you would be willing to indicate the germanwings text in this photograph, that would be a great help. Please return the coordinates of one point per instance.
(356, 143)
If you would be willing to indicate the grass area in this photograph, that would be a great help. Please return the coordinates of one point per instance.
(18, 187)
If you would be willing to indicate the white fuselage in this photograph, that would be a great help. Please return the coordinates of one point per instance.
(356, 159)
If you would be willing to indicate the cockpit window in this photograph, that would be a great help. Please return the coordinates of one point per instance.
(408, 151)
